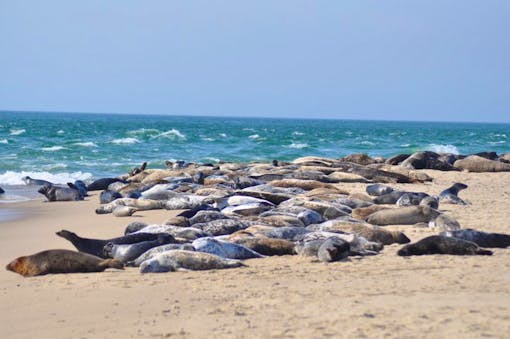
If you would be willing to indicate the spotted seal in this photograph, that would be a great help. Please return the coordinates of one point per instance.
(449, 195)
(60, 261)
(176, 260)
(224, 249)
(482, 239)
(437, 244)
(149, 254)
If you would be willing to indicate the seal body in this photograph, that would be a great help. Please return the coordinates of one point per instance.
(101, 184)
(333, 249)
(483, 239)
(60, 261)
(438, 244)
(54, 193)
(128, 252)
(186, 260)
(224, 249)
(403, 216)
(37, 182)
(449, 195)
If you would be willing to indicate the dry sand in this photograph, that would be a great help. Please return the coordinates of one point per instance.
(381, 296)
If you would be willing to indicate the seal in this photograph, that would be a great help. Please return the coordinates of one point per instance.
(378, 189)
(60, 261)
(437, 244)
(95, 246)
(411, 198)
(222, 226)
(123, 211)
(389, 198)
(139, 204)
(367, 231)
(449, 195)
(101, 184)
(402, 216)
(149, 254)
(205, 216)
(333, 249)
(128, 252)
(1, 190)
(54, 193)
(362, 213)
(108, 196)
(482, 239)
(37, 182)
(176, 260)
(475, 163)
(224, 249)
(264, 245)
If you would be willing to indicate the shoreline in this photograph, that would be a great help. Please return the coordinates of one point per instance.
(287, 296)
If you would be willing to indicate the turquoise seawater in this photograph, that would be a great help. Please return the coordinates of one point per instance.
(66, 146)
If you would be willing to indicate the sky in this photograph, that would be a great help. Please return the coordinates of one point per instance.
(383, 60)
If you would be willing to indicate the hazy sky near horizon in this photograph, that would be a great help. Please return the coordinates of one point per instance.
(390, 60)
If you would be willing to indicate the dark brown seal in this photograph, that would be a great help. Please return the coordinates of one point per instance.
(60, 261)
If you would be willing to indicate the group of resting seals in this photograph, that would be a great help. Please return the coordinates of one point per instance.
(232, 212)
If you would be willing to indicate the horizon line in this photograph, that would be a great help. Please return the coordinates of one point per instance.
(249, 116)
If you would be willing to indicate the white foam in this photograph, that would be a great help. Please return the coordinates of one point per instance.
(223, 135)
(17, 131)
(14, 178)
(367, 143)
(249, 129)
(171, 134)
(443, 148)
(297, 133)
(52, 148)
(405, 145)
(212, 159)
(143, 131)
(60, 131)
(497, 142)
(254, 136)
(86, 144)
(4, 141)
(207, 139)
(125, 141)
(54, 166)
(298, 145)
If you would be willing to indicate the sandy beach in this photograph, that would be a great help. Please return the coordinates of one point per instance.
(289, 296)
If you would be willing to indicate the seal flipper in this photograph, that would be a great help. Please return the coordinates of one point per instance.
(111, 263)
(482, 251)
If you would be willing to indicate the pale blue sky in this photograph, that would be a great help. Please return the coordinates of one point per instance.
(391, 60)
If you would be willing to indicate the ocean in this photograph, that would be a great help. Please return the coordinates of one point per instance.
(62, 147)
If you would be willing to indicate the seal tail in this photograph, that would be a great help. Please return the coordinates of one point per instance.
(111, 263)
(483, 252)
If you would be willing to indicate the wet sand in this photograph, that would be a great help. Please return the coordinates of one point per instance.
(288, 296)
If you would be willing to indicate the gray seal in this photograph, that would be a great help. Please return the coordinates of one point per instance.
(36, 182)
(482, 239)
(378, 189)
(403, 216)
(176, 260)
(438, 244)
(224, 249)
(333, 249)
(95, 246)
(149, 254)
(54, 193)
(449, 195)
(60, 261)
(130, 252)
